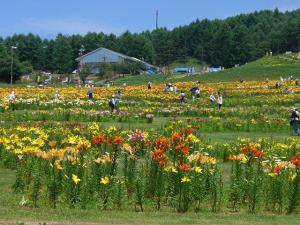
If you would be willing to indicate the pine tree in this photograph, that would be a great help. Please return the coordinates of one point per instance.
(62, 55)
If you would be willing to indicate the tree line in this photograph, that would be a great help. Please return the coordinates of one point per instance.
(235, 40)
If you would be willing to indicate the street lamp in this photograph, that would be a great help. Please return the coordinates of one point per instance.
(12, 62)
(81, 50)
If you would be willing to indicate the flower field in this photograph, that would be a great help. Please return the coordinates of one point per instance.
(74, 153)
(250, 107)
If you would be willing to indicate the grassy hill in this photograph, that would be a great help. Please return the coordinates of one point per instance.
(267, 67)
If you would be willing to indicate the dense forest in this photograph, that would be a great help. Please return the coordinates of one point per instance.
(235, 40)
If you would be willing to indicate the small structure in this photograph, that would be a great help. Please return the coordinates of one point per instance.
(92, 59)
(26, 78)
(214, 69)
(184, 70)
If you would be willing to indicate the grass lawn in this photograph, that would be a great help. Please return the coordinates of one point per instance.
(158, 122)
(224, 137)
(221, 137)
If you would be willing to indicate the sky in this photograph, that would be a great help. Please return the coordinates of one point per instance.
(47, 18)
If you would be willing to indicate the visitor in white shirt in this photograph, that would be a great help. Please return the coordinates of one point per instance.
(12, 99)
(12, 96)
(113, 104)
(175, 89)
(56, 95)
(197, 92)
(212, 98)
(182, 97)
(220, 100)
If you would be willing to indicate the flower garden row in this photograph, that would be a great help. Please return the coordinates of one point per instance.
(251, 106)
(172, 168)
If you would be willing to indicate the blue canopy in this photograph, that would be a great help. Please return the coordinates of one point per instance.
(214, 69)
(150, 72)
(182, 70)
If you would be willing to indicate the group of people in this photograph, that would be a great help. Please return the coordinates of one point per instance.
(112, 103)
(287, 90)
(170, 88)
(289, 79)
(195, 93)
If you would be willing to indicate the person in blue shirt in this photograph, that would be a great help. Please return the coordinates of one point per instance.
(90, 94)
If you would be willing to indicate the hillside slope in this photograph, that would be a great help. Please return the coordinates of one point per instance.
(267, 67)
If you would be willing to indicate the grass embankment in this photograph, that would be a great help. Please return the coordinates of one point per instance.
(267, 67)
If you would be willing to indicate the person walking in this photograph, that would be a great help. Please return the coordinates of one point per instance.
(220, 100)
(193, 92)
(294, 122)
(12, 100)
(212, 98)
(197, 92)
(166, 89)
(113, 104)
(56, 96)
(119, 94)
(90, 95)
(182, 97)
(175, 89)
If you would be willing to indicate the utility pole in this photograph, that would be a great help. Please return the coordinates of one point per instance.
(12, 63)
(81, 50)
(156, 19)
(80, 64)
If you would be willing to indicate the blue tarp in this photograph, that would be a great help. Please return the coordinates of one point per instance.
(150, 72)
(184, 70)
(214, 69)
